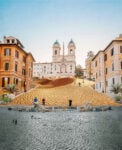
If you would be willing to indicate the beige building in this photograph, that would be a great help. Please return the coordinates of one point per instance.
(62, 64)
(107, 66)
(88, 65)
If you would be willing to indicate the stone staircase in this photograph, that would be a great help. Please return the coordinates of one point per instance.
(59, 96)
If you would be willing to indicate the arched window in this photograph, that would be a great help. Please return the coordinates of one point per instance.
(71, 51)
(55, 52)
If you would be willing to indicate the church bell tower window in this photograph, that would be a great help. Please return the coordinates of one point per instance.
(55, 52)
(71, 51)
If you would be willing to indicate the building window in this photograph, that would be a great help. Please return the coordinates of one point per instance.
(106, 70)
(71, 51)
(121, 64)
(112, 51)
(13, 41)
(24, 59)
(120, 49)
(16, 67)
(7, 52)
(23, 72)
(96, 64)
(113, 67)
(16, 54)
(8, 41)
(5, 81)
(55, 67)
(99, 73)
(15, 81)
(55, 52)
(8, 80)
(44, 69)
(70, 67)
(105, 57)
(106, 83)
(100, 84)
(6, 67)
(113, 81)
(96, 75)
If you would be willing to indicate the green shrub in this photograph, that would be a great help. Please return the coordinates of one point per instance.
(5, 98)
(118, 98)
(116, 88)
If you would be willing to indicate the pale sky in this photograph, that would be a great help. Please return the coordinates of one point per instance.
(92, 24)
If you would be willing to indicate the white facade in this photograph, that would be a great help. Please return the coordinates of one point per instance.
(61, 65)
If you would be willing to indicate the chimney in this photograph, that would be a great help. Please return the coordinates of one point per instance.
(4, 39)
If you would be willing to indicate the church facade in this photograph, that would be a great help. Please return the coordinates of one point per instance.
(61, 66)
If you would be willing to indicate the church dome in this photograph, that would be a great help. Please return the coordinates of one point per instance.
(56, 43)
(71, 43)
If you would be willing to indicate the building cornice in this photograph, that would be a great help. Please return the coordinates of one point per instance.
(106, 47)
(97, 54)
(27, 53)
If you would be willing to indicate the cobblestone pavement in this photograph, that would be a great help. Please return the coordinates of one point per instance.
(60, 130)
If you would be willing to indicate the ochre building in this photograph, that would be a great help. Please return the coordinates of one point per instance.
(16, 65)
(107, 66)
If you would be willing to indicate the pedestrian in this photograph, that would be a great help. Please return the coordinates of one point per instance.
(43, 101)
(35, 102)
(79, 84)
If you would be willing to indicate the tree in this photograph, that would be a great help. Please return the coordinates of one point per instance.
(90, 54)
(78, 71)
(11, 88)
(116, 88)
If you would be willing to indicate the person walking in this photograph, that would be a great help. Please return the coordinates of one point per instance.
(35, 102)
(43, 101)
